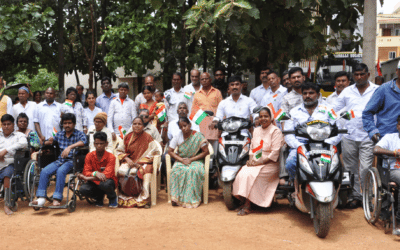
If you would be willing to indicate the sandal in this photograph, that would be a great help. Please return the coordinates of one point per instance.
(244, 211)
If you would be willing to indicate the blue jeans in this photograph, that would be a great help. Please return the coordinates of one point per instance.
(47, 172)
(291, 163)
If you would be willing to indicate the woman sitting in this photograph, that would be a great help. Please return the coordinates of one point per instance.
(257, 181)
(187, 175)
(72, 105)
(100, 122)
(136, 156)
(33, 138)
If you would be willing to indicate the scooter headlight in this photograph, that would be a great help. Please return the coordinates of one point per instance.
(319, 134)
(230, 126)
(334, 164)
(304, 164)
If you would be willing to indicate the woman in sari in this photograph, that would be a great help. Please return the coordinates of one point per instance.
(136, 155)
(257, 181)
(187, 175)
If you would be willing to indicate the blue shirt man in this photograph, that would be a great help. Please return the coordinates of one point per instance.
(104, 100)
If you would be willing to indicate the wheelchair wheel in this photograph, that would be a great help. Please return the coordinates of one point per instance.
(72, 205)
(28, 176)
(372, 200)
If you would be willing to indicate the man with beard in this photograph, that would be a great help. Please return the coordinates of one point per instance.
(294, 97)
(259, 92)
(219, 82)
(285, 81)
(310, 110)
(357, 147)
(341, 82)
(192, 88)
(148, 81)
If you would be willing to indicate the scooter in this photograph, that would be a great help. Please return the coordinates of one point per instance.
(232, 154)
(320, 181)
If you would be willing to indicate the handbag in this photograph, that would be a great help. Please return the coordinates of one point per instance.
(130, 185)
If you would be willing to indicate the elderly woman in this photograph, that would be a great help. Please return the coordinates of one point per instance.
(187, 175)
(100, 122)
(72, 105)
(33, 138)
(136, 155)
(257, 181)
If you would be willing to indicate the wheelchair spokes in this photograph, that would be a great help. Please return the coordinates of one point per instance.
(372, 196)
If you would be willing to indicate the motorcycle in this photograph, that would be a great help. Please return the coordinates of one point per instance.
(320, 181)
(232, 154)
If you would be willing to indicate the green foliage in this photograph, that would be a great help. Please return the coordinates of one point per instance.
(40, 81)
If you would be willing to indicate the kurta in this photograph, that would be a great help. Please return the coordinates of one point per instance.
(259, 183)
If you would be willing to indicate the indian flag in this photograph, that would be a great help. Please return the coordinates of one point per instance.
(271, 106)
(122, 132)
(351, 114)
(188, 95)
(279, 115)
(258, 150)
(198, 116)
(54, 132)
(161, 113)
(332, 114)
(68, 103)
(326, 158)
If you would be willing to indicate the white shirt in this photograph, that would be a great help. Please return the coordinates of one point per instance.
(172, 104)
(350, 99)
(190, 89)
(300, 115)
(121, 114)
(29, 110)
(391, 142)
(258, 93)
(173, 128)
(15, 141)
(91, 114)
(92, 131)
(274, 97)
(48, 117)
(243, 108)
(140, 99)
(151, 130)
(332, 98)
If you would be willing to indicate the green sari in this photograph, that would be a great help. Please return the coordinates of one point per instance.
(187, 180)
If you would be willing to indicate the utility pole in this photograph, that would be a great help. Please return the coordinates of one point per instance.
(369, 30)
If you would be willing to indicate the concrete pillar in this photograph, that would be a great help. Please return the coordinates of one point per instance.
(369, 43)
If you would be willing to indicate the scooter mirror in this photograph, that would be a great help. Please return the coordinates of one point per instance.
(210, 113)
(257, 109)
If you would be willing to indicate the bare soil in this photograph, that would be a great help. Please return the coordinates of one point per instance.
(210, 226)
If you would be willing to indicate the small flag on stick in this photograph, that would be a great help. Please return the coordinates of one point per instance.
(188, 95)
(332, 114)
(198, 116)
(258, 150)
(326, 158)
(161, 113)
(54, 132)
(68, 103)
(279, 115)
(122, 132)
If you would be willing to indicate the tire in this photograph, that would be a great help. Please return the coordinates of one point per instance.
(343, 196)
(372, 200)
(228, 197)
(322, 219)
(28, 177)
(72, 205)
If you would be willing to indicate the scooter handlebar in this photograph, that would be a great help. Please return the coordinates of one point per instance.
(342, 131)
(288, 132)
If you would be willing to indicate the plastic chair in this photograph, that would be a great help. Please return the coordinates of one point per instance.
(206, 173)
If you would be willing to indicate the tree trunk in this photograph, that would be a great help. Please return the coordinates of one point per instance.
(204, 47)
(167, 59)
(104, 4)
(369, 42)
(183, 46)
(61, 63)
(230, 59)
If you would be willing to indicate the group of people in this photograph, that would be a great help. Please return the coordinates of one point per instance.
(125, 134)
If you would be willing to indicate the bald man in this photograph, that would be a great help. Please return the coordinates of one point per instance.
(47, 115)
(193, 87)
(148, 81)
(6, 105)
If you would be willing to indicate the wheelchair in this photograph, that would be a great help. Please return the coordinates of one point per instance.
(379, 195)
(47, 155)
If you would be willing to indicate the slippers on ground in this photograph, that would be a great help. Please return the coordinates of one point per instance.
(244, 211)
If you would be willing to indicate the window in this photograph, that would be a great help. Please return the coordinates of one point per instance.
(397, 32)
(392, 54)
(386, 32)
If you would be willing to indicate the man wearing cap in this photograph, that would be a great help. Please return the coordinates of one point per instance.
(5, 101)
(100, 122)
(385, 104)
(25, 106)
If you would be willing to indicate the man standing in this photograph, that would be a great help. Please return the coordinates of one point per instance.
(294, 97)
(193, 87)
(81, 95)
(285, 81)
(174, 96)
(356, 145)
(5, 101)
(104, 100)
(341, 82)
(207, 99)
(385, 104)
(148, 81)
(276, 94)
(122, 111)
(47, 116)
(219, 82)
(259, 92)
(25, 106)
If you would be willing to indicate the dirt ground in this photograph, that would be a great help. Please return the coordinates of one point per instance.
(210, 226)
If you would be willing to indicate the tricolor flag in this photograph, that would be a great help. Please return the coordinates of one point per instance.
(68, 103)
(326, 158)
(198, 116)
(279, 115)
(188, 95)
(378, 68)
(351, 114)
(161, 113)
(258, 150)
(54, 132)
(122, 132)
(271, 106)
(332, 114)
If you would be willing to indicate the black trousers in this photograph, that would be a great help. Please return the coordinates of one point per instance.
(92, 190)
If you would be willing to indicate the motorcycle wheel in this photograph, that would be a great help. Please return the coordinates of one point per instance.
(228, 197)
(322, 219)
(343, 196)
